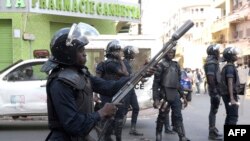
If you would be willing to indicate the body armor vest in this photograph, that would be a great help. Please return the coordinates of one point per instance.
(236, 80)
(80, 83)
(170, 74)
(217, 74)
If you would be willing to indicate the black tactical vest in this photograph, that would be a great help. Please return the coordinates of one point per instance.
(236, 80)
(170, 77)
(81, 84)
(217, 73)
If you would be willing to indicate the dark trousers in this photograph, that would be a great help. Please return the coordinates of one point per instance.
(131, 100)
(176, 114)
(214, 106)
(231, 110)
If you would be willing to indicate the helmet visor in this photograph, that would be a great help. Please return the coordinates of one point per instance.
(216, 47)
(135, 50)
(79, 31)
(235, 51)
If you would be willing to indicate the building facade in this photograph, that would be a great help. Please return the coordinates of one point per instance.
(28, 25)
(192, 46)
(232, 28)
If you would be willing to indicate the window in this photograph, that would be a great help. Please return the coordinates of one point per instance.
(196, 24)
(202, 10)
(240, 34)
(29, 72)
(202, 24)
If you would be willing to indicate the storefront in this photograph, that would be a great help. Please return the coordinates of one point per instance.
(28, 25)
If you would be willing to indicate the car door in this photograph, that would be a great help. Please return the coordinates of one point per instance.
(23, 92)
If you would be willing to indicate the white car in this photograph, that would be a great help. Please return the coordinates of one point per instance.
(21, 92)
(24, 94)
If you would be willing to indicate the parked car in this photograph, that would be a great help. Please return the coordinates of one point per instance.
(187, 85)
(23, 90)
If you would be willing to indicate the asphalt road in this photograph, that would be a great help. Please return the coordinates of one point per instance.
(195, 122)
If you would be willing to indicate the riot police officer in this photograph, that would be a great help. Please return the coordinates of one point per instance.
(113, 68)
(70, 86)
(229, 85)
(212, 72)
(166, 85)
(131, 99)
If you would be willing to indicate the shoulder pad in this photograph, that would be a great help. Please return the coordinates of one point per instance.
(72, 78)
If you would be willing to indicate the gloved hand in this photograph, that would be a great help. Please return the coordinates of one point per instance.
(156, 104)
(150, 72)
(108, 110)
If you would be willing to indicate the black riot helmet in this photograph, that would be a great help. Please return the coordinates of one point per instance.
(130, 51)
(113, 49)
(65, 44)
(214, 50)
(67, 41)
(230, 54)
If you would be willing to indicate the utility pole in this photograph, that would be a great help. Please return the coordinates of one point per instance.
(139, 25)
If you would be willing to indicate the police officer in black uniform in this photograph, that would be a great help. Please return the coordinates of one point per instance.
(212, 71)
(70, 86)
(229, 85)
(113, 68)
(166, 85)
(131, 99)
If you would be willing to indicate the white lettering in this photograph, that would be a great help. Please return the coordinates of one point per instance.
(243, 131)
(231, 133)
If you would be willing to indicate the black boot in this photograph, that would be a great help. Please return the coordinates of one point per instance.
(118, 129)
(159, 126)
(133, 131)
(158, 136)
(181, 133)
(168, 129)
(214, 134)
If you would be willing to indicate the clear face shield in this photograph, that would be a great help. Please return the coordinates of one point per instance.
(80, 32)
(235, 51)
(135, 50)
(216, 47)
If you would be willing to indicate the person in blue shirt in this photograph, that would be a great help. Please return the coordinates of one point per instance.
(229, 85)
(70, 87)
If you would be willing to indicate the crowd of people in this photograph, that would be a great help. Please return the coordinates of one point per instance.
(70, 88)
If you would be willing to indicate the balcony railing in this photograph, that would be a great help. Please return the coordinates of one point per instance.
(220, 24)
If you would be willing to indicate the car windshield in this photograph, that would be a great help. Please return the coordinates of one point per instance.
(10, 66)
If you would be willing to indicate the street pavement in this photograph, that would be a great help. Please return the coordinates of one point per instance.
(195, 118)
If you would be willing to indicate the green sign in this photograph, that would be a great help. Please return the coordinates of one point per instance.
(90, 7)
(18, 3)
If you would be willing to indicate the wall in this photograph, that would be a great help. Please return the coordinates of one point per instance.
(39, 25)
